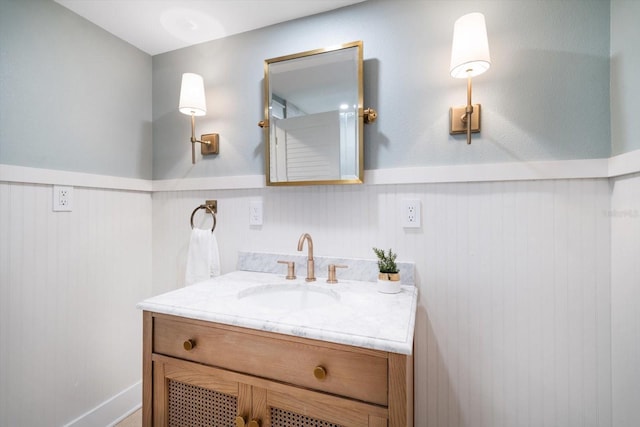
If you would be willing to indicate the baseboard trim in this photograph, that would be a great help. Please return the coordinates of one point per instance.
(624, 164)
(126, 415)
(113, 410)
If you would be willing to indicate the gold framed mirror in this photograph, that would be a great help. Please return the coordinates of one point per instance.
(313, 117)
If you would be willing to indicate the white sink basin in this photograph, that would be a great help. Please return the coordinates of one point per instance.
(288, 297)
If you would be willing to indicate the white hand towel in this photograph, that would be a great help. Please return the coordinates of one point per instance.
(203, 257)
(214, 256)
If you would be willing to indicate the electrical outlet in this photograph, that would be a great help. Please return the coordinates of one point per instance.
(255, 212)
(411, 213)
(62, 198)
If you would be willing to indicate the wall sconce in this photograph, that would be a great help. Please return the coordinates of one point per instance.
(469, 58)
(192, 102)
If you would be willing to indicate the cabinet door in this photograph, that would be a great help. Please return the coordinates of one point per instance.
(187, 394)
(287, 406)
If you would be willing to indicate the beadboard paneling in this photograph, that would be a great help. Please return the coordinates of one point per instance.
(513, 326)
(70, 335)
(625, 294)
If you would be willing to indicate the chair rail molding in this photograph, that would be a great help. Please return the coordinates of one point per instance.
(623, 164)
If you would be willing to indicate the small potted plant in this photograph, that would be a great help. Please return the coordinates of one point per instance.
(389, 275)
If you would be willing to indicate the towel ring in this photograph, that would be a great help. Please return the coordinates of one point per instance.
(209, 210)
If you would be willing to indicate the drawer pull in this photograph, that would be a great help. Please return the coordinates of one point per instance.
(189, 344)
(320, 373)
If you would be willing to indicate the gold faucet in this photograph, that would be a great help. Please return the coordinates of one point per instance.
(310, 265)
(332, 272)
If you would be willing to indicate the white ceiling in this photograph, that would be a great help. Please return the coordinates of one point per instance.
(157, 26)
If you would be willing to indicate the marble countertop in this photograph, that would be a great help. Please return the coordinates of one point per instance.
(362, 317)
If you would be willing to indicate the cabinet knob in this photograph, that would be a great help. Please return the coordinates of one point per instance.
(189, 344)
(242, 422)
(320, 373)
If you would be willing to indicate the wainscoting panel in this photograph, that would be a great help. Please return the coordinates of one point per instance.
(625, 294)
(513, 324)
(70, 335)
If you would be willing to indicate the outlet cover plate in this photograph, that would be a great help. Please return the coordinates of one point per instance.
(410, 213)
(255, 212)
(62, 198)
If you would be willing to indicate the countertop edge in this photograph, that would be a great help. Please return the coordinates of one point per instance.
(216, 301)
(405, 348)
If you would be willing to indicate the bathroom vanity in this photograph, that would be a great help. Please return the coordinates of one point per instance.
(254, 349)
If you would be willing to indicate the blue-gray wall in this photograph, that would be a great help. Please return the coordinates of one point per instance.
(625, 65)
(546, 96)
(72, 96)
(75, 98)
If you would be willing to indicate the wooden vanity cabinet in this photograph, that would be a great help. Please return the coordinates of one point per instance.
(204, 373)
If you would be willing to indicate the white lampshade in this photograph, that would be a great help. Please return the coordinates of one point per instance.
(192, 99)
(470, 48)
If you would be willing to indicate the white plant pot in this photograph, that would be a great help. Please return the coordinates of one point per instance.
(389, 286)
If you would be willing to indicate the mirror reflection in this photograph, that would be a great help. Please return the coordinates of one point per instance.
(314, 118)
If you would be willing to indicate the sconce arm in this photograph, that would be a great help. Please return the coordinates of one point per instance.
(193, 132)
(210, 142)
(469, 109)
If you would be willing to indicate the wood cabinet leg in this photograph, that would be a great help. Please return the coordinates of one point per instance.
(400, 390)
(147, 369)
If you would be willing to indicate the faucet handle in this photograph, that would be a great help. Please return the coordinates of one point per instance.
(291, 269)
(332, 272)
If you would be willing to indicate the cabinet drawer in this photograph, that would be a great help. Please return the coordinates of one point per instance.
(357, 374)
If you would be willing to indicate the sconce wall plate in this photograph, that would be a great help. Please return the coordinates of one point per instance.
(458, 123)
(211, 144)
